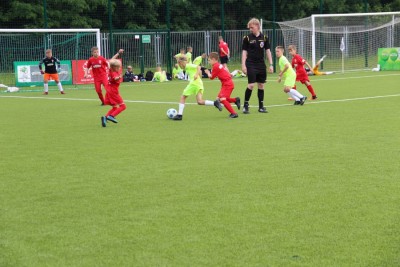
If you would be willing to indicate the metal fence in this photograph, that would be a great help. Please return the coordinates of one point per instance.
(143, 56)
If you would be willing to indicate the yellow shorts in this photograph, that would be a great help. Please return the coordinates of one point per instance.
(290, 81)
(193, 89)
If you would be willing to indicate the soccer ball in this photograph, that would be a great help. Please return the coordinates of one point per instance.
(171, 113)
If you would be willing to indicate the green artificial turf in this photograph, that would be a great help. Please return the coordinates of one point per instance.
(312, 185)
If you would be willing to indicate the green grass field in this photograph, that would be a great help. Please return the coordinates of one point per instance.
(312, 185)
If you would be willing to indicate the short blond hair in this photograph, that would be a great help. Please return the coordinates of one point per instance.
(292, 47)
(253, 21)
(115, 63)
(48, 50)
(94, 48)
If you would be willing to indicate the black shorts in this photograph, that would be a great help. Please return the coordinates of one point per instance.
(224, 60)
(256, 72)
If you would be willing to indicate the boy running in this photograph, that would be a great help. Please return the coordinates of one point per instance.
(289, 75)
(224, 95)
(113, 98)
(195, 87)
(99, 67)
(298, 63)
(50, 71)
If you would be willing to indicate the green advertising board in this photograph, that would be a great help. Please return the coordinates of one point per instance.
(146, 39)
(27, 73)
(389, 58)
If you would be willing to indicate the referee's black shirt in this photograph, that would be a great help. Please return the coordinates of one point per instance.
(255, 47)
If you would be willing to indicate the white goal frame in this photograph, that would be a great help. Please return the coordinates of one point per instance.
(313, 17)
(97, 31)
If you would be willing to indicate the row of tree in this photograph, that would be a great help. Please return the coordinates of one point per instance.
(184, 14)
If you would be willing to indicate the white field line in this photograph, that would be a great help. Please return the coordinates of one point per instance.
(175, 103)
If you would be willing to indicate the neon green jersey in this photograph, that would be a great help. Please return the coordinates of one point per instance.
(191, 70)
(283, 61)
(179, 55)
(176, 71)
(159, 77)
(189, 57)
(198, 60)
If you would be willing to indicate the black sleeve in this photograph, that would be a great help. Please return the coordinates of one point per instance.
(40, 64)
(245, 43)
(57, 62)
(267, 45)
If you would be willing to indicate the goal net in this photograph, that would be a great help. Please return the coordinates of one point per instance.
(22, 49)
(350, 41)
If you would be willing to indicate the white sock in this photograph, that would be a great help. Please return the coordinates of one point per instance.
(293, 96)
(233, 73)
(60, 86)
(46, 87)
(209, 103)
(296, 93)
(181, 107)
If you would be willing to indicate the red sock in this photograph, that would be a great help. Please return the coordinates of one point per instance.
(121, 108)
(111, 111)
(228, 106)
(311, 90)
(231, 100)
(101, 97)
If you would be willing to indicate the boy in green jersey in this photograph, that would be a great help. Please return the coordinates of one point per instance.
(177, 72)
(198, 60)
(181, 54)
(289, 75)
(189, 54)
(195, 87)
(159, 75)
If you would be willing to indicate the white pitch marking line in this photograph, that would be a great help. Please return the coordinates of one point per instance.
(175, 103)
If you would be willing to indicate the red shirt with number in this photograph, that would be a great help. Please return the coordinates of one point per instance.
(99, 67)
(112, 95)
(218, 70)
(223, 45)
(298, 64)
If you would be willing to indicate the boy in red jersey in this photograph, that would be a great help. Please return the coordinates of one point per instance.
(224, 96)
(224, 52)
(99, 67)
(113, 98)
(298, 64)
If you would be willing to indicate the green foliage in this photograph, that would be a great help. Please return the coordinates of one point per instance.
(185, 15)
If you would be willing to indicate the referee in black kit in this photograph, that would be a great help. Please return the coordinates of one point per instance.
(253, 63)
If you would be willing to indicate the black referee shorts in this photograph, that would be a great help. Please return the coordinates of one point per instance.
(256, 72)
(224, 60)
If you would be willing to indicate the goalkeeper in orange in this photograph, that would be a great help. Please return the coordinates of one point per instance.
(315, 70)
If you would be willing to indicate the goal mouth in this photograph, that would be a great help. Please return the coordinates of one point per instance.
(350, 41)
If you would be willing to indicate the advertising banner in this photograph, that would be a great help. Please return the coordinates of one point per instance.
(78, 71)
(389, 58)
(27, 73)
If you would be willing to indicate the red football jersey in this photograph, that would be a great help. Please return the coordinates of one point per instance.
(298, 64)
(224, 46)
(222, 73)
(99, 66)
(112, 83)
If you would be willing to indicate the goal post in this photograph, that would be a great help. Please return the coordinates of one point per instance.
(22, 49)
(350, 41)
